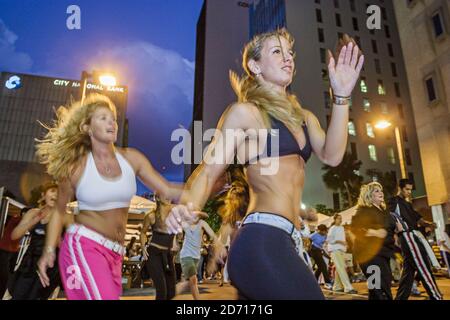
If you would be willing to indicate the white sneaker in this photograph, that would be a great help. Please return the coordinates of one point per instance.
(328, 286)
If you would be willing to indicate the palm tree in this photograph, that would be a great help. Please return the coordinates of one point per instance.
(344, 178)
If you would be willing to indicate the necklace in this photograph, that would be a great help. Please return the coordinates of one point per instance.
(108, 170)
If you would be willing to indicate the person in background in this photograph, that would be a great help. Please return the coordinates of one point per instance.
(373, 228)
(130, 248)
(337, 246)
(9, 249)
(27, 285)
(415, 257)
(317, 252)
(444, 245)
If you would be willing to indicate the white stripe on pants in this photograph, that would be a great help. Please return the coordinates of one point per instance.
(341, 280)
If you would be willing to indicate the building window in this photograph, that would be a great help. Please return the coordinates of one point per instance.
(327, 98)
(373, 152)
(397, 89)
(323, 55)
(336, 202)
(352, 5)
(390, 50)
(438, 24)
(401, 113)
(338, 20)
(366, 105)
(354, 150)
(325, 75)
(384, 108)
(321, 35)
(355, 24)
(394, 69)
(381, 88)
(328, 121)
(363, 85)
(336, 4)
(351, 128)
(391, 155)
(408, 157)
(383, 13)
(319, 15)
(387, 31)
(374, 46)
(405, 134)
(412, 180)
(431, 90)
(369, 130)
(377, 66)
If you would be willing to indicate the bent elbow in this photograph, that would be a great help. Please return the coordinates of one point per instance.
(333, 162)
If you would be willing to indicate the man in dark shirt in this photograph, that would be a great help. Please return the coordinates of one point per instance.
(414, 253)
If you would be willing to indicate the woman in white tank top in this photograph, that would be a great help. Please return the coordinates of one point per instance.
(79, 152)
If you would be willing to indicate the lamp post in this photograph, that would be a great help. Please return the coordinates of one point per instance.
(386, 124)
(106, 79)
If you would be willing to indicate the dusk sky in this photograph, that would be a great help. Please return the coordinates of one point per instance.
(149, 44)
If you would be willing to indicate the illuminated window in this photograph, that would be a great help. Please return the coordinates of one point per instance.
(381, 88)
(351, 128)
(373, 153)
(391, 155)
(366, 105)
(363, 86)
(369, 129)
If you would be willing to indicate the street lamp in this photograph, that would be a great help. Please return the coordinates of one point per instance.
(384, 124)
(106, 79)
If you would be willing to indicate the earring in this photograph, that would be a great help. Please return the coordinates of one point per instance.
(90, 133)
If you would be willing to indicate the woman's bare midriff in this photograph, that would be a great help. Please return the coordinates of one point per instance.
(110, 223)
(279, 192)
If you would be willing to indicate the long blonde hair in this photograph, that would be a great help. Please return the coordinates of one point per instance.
(283, 107)
(67, 141)
(365, 195)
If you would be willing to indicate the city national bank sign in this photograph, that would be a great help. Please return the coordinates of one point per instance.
(90, 86)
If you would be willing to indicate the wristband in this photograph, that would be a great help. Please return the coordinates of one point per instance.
(340, 101)
(49, 249)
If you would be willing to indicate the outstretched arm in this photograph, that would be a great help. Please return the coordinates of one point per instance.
(152, 178)
(344, 73)
(229, 137)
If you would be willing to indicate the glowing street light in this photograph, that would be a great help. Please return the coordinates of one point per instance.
(107, 80)
(384, 124)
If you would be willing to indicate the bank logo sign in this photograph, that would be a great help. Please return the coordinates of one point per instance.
(14, 82)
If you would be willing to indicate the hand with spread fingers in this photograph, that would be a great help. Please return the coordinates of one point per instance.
(345, 72)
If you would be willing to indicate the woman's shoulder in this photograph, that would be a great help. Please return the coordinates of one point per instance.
(241, 109)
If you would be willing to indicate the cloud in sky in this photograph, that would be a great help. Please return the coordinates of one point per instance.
(10, 59)
(161, 86)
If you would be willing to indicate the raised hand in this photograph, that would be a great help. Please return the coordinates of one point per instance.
(345, 73)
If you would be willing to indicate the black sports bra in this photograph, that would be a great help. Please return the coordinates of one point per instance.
(287, 143)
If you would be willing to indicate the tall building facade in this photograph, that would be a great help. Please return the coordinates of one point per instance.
(382, 94)
(222, 31)
(426, 25)
(26, 100)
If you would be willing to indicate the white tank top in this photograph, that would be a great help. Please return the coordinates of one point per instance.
(97, 193)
